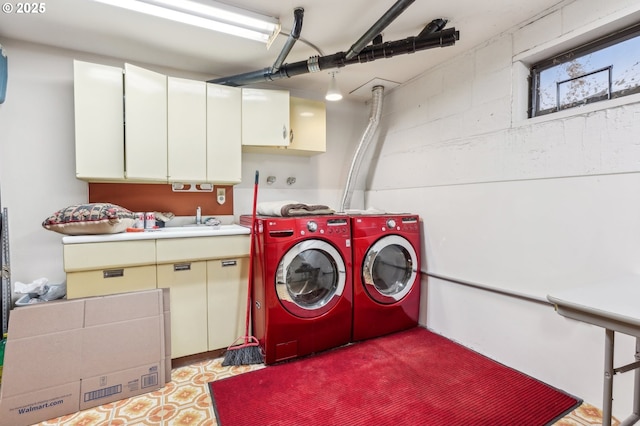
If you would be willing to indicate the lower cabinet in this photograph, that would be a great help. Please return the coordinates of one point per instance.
(187, 284)
(227, 300)
(206, 276)
(208, 303)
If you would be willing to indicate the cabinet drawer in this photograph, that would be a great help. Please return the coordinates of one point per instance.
(110, 281)
(188, 249)
(82, 257)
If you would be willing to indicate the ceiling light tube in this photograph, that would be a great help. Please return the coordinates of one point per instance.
(213, 16)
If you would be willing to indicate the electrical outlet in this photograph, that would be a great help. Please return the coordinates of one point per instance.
(221, 195)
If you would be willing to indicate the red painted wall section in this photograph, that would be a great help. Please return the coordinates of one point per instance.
(161, 198)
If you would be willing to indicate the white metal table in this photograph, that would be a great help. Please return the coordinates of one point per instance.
(615, 307)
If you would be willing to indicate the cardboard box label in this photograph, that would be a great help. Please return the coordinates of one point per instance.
(81, 354)
(40, 405)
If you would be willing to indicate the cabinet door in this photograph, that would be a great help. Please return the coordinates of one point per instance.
(145, 124)
(224, 134)
(308, 126)
(187, 130)
(227, 299)
(187, 284)
(99, 113)
(265, 117)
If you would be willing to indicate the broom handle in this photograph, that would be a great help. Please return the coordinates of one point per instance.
(251, 256)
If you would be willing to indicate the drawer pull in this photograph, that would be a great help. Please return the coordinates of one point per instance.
(182, 267)
(113, 273)
(229, 263)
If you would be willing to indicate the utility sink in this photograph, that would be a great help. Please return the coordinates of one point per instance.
(187, 228)
(221, 229)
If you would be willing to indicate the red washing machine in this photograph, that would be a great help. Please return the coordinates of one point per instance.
(386, 278)
(302, 292)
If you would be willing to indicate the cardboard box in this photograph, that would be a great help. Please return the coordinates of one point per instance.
(66, 356)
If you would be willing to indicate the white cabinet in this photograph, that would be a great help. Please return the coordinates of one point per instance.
(308, 127)
(99, 112)
(187, 284)
(227, 300)
(224, 134)
(265, 117)
(308, 135)
(187, 130)
(145, 95)
(207, 278)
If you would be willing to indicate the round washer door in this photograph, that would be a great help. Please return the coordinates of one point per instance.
(389, 269)
(310, 278)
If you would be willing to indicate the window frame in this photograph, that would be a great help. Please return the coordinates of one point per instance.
(566, 56)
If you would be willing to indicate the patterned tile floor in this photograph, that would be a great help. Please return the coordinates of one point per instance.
(185, 401)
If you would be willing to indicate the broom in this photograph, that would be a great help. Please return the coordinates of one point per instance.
(246, 349)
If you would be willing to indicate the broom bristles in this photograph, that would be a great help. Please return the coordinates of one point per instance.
(245, 354)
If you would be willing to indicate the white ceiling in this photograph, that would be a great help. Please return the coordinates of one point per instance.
(330, 25)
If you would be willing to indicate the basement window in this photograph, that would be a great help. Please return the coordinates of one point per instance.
(604, 69)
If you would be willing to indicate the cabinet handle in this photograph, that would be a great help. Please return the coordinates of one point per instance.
(181, 267)
(229, 263)
(113, 273)
(291, 136)
(284, 132)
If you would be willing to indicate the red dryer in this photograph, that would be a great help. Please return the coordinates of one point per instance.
(302, 292)
(386, 278)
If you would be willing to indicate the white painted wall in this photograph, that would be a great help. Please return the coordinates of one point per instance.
(522, 205)
(526, 206)
(37, 170)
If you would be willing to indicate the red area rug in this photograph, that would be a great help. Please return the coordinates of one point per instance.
(414, 377)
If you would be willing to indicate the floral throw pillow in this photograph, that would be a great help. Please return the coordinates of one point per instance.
(90, 219)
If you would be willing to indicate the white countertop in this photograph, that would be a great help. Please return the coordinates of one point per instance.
(161, 233)
(617, 299)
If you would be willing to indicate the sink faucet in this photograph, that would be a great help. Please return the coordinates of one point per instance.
(198, 216)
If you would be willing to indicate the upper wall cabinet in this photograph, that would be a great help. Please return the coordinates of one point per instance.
(187, 130)
(308, 134)
(105, 151)
(145, 99)
(99, 111)
(265, 117)
(308, 127)
(224, 134)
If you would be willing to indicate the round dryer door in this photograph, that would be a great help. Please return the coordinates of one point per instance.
(311, 278)
(389, 269)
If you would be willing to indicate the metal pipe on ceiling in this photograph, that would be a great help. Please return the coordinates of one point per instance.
(371, 53)
(377, 28)
(298, 14)
(433, 27)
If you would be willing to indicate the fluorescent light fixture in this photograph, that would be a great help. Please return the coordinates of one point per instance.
(333, 94)
(212, 15)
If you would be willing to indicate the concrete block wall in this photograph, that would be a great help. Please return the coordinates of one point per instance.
(524, 206)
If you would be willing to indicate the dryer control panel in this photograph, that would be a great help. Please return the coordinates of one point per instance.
(375, 224)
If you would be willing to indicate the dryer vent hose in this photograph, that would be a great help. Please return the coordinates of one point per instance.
(365, 141)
